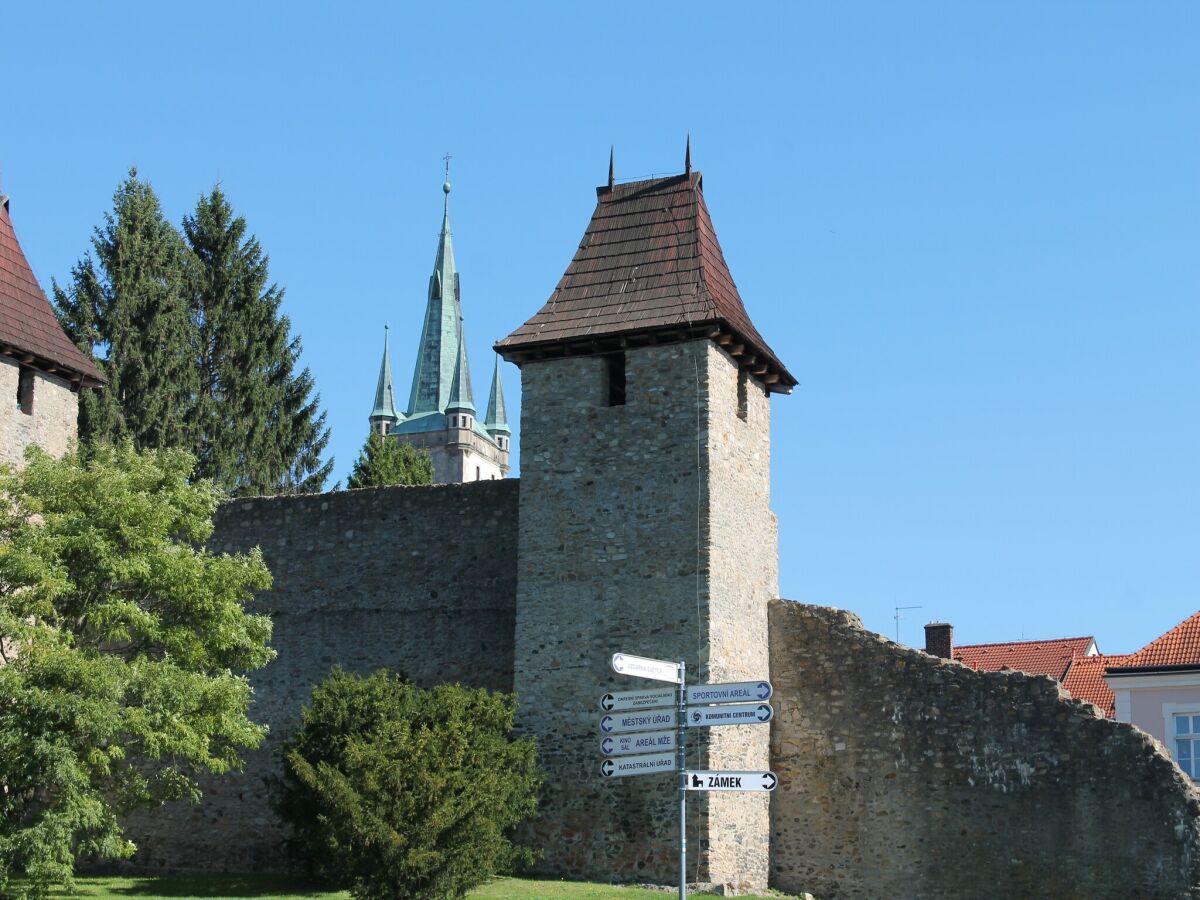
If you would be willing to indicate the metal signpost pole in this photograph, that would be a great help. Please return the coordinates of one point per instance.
(682, 739)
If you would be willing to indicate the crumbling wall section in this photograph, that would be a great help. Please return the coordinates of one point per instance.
(907, 776)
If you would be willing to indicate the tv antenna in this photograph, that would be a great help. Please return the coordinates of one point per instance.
(897, 617)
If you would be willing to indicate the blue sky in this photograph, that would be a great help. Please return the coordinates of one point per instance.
(972, 231)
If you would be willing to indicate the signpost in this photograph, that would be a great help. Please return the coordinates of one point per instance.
(638, 742)
(620, 723)
(647, 764)
(619, 700)
(645, 732)
(644, 667)
(731, 781)
(730, 714)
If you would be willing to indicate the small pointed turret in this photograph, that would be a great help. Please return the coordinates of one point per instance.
(687, 156)
(461, 398)
(496, 420)
(384, 414)
(612, 172)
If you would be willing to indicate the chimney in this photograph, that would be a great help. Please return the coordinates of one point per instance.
(939, 639)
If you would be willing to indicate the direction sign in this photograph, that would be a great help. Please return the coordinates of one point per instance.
(639, 742)
(734, 692)
(649, 764)
(638, 699)
(733, 714)
(620, 723)
(731, 781)
(643, 667)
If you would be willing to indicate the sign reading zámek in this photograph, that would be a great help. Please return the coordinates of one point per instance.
(731, 781)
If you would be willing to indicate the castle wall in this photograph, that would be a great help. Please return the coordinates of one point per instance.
(907, 776)
(52, 425)
(627, 513)
(422, 580)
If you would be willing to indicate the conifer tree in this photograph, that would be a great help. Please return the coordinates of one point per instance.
(127, 307)
(384, 461)
(260, 428)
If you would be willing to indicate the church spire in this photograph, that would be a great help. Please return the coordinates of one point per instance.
(441, 333)
(384, 414)
(496, 418)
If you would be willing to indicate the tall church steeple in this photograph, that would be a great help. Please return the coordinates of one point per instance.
(441, 333)
(384, 415)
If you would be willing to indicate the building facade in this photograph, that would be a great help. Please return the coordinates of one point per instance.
(441, 416)
(41, 371)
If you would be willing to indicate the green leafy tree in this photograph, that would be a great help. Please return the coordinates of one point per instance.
(127, 308)
(385, 461)
(260, 427)
(394, 792)
(121, 640)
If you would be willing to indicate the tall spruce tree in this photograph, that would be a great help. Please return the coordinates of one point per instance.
(127, 307)
(260, 427)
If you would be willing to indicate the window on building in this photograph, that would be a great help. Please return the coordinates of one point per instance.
(477, 473)
(25, 390)
(743, 389)
(614, 372)
(1187, 743)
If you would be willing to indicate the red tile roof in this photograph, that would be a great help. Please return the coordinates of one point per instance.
(27, 321)
(1032, 657)
(649, 261)
(1085, 681)
(1178, 647)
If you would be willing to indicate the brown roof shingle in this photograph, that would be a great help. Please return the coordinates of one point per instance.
(27, 321)
(649, 260)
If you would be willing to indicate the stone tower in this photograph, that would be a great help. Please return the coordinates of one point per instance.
(645, 527)
(441, 413)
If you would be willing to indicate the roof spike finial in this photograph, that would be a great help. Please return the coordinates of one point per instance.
(687, 156)
(612, 178)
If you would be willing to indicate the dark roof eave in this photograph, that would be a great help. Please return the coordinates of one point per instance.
(55, 367)
(1152, 670)
(521, 350)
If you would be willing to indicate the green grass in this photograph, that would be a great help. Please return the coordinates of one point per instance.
(272, 887)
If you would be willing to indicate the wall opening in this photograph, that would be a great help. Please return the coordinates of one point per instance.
(25, 390)
(743, 388)
(614, 373)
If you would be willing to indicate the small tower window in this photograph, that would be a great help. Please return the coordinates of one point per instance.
(25, 390)
(614, 371)
(742, 391)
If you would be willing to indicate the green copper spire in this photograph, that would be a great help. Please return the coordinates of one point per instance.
(442, 330)
(385, 401)
(460, 386)
(497, 418)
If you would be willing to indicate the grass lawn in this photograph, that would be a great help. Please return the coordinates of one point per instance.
(269, 887)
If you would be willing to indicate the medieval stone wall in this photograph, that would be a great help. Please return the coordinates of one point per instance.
(422, 580)
(53, 423)
(907, 776)
(627, 512)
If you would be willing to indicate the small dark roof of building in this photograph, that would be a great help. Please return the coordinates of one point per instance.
(27, 321)
(649, 263)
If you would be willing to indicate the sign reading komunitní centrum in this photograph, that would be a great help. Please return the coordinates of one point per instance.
(730, 714)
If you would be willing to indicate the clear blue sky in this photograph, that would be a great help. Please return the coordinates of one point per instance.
(972, 231)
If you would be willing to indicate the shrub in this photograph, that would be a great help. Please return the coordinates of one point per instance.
(395, 792)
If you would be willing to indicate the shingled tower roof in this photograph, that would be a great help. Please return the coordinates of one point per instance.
(29, 330)
(649, 269)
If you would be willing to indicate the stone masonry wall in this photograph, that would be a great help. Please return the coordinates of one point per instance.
(422, 580)
(52, 425)
(626, 513)
(907, 776)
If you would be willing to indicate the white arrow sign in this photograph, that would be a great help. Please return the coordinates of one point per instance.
(734, 714)
(650, 764)
(643, 667)
(638, 699)
(734, 692)
(731, 781)
(619, 723)
(639, 742)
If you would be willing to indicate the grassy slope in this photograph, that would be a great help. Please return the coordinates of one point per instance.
(260, 887)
